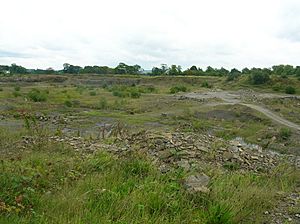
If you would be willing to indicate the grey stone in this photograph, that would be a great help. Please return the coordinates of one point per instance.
(197, 183)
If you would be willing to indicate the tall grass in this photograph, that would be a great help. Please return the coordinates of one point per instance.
(50, 183)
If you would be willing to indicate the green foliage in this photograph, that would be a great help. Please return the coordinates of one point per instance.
(178, 88)
(219, 214)
(285, 133)
(93, 93)
(16, 94)
(37, 95)
(205, 84)
(17, 69)
(174, 70)
(68, 103)
(290, 90)
(103, 104)
(135, 94)
(259, 78)
(17, 88)
(53, 184)
(124, 91)
(277, 87)
(1, 89)
(231, 166)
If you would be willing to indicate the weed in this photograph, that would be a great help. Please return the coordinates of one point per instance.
(285, 133)
(290, 90)
(103, 104)
(219, 214)
(178, 88)
(16, 94)
(37, 96)
(68, 103)
(205, 84)
(93, 93)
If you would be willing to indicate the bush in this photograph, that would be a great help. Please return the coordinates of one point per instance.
(68, 103)
(16, 94)
(17, 88)
(285, 133)
(93, 93)
(1, 89)
(205, 84)
(277, 87)
(37, 95)
(232, 76)
(176, 89)
(290, 90)
(259, 78)
(135, 94)
(103, 103)
(129, 91)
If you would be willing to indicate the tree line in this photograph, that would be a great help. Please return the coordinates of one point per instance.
(259, 75)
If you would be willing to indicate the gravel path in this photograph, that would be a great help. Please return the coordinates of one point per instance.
(239, 97)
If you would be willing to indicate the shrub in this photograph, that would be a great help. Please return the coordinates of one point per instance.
(135, 94)
(68, 103)
(179, 88)
(231, 166)
(290, 90)
(277, 87)
(37, 95)
(1, 89)
(17, 88)
(232, 76)
(93, 93)
(103, 103)
(259, 78)
(285, 133)
(16, 94)
(205, 84)
(120, 93)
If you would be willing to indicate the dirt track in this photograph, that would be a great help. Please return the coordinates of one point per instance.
(237, 97)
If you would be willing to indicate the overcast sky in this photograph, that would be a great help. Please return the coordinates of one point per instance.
(231, 33)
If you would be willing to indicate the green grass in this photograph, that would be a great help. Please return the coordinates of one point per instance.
(48, 182)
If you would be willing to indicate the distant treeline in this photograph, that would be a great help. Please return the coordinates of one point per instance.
(122, 68)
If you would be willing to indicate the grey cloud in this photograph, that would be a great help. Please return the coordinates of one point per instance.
(12, 54)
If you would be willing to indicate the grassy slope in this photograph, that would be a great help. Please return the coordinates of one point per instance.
(49, 183)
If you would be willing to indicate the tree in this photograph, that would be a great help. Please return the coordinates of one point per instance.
(259, 78)
(193, 68)
(17, 69)
(246, 71)
(297, 71)
(71, 69)
(222, 71)
(174, 70)
(164, 68)
(233, 74)
(122, 68)
(50, 70)
(157, 71)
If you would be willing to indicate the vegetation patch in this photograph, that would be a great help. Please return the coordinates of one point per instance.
(37, 95)
(178, 88)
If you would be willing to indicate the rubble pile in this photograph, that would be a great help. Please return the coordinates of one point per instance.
(192, 150)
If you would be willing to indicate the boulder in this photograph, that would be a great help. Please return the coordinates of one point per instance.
(197, 183)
